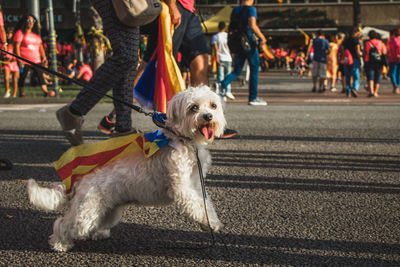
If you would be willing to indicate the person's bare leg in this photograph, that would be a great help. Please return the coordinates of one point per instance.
(371, 87)
(7, 80)
(44, 88)
(15, 83)
(376, 89)
(199, 70)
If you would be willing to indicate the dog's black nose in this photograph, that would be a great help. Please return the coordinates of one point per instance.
(208, 117)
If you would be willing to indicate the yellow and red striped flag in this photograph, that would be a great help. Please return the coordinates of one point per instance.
(81, 160)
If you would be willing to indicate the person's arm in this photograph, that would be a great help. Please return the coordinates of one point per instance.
(18, 52)
(42, 54)
(80, 74)
(174, 12)
(384, 49)
(310, 44)
(3, 36)
(217, 54)
(254, 27)
(358, 50)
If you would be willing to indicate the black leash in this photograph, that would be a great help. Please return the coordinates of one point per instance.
(158, 118)
(87, 86)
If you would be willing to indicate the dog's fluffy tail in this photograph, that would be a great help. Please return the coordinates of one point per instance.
(46, 198)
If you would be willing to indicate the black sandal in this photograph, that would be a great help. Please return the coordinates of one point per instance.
(5, 165)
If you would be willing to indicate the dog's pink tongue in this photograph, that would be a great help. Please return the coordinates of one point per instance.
(207, 131)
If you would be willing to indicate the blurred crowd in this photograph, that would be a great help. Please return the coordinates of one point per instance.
(306, 61)
(26, 41)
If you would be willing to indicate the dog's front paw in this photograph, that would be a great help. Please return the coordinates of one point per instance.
(215, 226)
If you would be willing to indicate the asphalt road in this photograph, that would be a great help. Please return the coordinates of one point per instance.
(303, 184)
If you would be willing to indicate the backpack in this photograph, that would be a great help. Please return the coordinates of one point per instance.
(346, 59)
(238, 41)
(374, 56)
(136, 13)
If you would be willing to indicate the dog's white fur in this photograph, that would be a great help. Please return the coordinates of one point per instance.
(170, 175)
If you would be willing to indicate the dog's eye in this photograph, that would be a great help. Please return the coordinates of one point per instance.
(194, 108)
(213, 105)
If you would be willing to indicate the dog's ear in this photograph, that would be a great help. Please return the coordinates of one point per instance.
(174, 107)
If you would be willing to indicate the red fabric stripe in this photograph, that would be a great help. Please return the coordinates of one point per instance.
(98, 158)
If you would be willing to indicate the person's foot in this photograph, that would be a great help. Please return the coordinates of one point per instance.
(228, 133)
(7, 95)
(348, 94)
(223, 98)
(396, 91)
(71, 125)
(354, 93)
(370, 95)
(230, 95)
(22, 94)
(106, 125)
(257, 102)
(322, 90)
(333, 89)
(314, 89)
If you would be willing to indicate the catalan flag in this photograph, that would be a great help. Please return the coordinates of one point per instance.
(81, 160)
(162, 78)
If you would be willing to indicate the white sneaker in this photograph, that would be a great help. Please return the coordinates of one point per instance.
(7, 95)
(257, 102)
(230, 95)
(223, 98)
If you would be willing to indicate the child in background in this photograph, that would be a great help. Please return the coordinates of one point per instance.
(11, 68)
(301, 64)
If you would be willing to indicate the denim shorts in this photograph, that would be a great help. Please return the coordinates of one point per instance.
(188, 38)
(373, 72)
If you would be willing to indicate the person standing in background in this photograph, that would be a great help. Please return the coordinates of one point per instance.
(373, 66)
(248, 16)
(332, 62)
(3, 37)
(352, 72)
(394, 60)
(223, 56)
(29, 45)
(11, 68)
(321, 49)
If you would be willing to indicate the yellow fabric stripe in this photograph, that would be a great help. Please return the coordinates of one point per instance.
(90, 149)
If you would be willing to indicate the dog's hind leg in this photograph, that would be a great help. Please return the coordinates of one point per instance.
(109, 220)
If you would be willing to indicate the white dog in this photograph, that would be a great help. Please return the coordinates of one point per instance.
(195, 117)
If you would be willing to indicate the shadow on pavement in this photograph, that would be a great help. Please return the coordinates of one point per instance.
(28, 230)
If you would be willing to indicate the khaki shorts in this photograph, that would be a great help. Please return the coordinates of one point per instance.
(318, 69)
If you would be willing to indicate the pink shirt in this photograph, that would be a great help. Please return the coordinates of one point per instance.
(380, 46)
(394, 49)
(1, 19)
(86, 72)
(30, 44)
(188, 4)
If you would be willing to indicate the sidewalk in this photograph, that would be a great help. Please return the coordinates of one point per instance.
(276, 87)
(280, 87)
